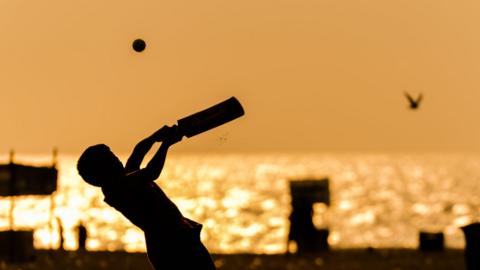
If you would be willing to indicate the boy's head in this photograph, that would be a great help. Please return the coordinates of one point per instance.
(98, 164)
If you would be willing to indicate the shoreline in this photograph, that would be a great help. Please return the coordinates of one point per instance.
(341, 259)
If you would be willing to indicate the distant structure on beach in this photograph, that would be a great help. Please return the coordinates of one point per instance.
(414, 103)
(472, 245)
(303, 233)
(431, 241)
(18, 180)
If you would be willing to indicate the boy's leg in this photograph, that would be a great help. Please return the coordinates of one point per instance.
(202, 256)
(185, 251)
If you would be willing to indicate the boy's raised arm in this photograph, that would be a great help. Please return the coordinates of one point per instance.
(155, 165)
(139, 152)
(142, 148)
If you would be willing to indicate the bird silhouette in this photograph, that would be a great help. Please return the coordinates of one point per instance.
(414, 103)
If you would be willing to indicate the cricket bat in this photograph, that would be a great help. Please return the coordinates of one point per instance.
(210, 118)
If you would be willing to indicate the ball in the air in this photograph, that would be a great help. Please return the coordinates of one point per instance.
(139, 45)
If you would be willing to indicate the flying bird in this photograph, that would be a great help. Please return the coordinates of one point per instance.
(414, 103)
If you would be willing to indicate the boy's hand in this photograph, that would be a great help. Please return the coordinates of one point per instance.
(172, 135)
(160, 134)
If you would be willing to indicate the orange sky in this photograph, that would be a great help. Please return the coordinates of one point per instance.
(313, 75)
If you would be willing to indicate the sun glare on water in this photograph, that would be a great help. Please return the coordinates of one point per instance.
(243, 201)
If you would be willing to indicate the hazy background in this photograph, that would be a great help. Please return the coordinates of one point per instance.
(313, 75)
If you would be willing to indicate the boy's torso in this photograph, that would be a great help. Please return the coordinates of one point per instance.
(146, 206)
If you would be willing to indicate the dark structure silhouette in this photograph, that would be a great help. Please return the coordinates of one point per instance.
(17, 246)
(17, 180)
(472, 246)
(303, 232)
(431, 241)
(414, 103)
(82, 237)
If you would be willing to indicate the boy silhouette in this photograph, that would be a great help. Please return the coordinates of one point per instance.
(172, 240)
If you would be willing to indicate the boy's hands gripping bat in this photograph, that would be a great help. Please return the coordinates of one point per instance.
(202, 121)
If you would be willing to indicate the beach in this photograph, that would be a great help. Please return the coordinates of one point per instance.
(342, 259)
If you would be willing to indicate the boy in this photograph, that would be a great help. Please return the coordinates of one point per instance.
(173, 241)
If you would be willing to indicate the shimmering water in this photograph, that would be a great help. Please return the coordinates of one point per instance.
(244, 201)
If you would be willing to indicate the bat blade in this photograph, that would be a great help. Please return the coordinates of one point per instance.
(212, 117)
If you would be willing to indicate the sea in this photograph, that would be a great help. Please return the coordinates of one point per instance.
(244, 201)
